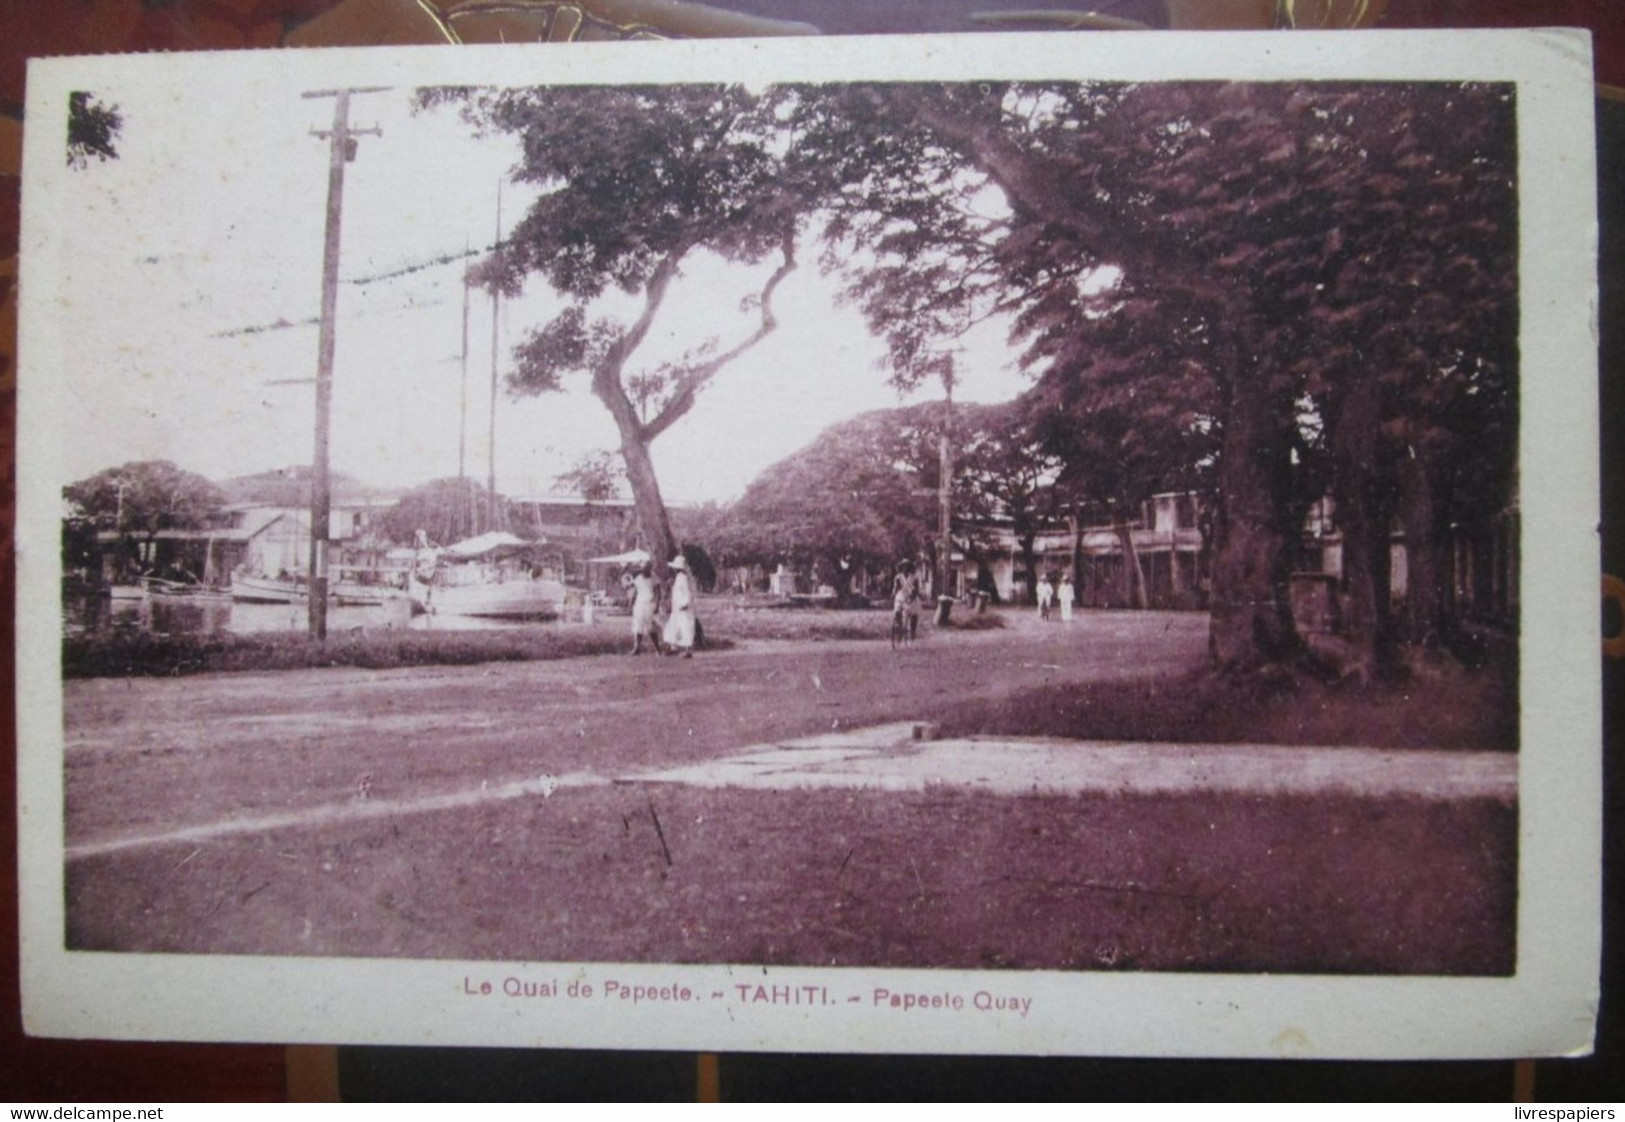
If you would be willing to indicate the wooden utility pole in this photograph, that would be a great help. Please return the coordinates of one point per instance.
(465, 512)
(496, 311)
(341, 149)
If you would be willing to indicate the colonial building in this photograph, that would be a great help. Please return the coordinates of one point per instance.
(1481, 559)
(1165, 542)
(258, 538)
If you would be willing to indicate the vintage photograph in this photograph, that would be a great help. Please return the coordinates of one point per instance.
(890, 543)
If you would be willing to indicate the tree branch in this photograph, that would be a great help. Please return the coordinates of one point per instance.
(606, 376)
(690, 382)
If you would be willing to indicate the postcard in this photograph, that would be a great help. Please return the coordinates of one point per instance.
(1026, 543)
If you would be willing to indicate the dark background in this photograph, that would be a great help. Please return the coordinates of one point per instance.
(64, 1071)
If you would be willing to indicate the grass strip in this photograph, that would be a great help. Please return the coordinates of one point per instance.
(1325, 884)
(130, 652)
(1443, 706)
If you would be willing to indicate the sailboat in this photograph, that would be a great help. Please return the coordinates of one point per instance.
(489, 575)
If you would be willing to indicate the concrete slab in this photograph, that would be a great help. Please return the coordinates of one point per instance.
(362, 807)
(887, 758)
(871, 737)
(890, 758)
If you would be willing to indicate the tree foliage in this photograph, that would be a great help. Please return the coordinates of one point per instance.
(596, 476)
(441, 509)
(636, 182)
(145, 497)
(1259, 289)
(862, 495)
(1315, 284)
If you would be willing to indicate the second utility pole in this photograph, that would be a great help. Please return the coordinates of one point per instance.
(497, 521)
(341, 150)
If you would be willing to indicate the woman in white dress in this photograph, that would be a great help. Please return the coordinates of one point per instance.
(680, 627)
(643, 609)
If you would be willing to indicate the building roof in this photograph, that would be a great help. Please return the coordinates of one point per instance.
(487, 543)
(572, 499)
(234, 535)
(290, 487)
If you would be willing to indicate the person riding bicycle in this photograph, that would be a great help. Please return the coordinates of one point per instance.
(906, 598)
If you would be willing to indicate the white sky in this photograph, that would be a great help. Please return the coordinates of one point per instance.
(211, 222)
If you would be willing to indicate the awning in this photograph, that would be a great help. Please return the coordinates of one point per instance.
(487, 543)
(630, 557)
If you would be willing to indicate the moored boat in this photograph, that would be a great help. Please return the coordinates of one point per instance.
(191, 591)
(267, 590)
(352, 594)
(344, 593)
(486, 576)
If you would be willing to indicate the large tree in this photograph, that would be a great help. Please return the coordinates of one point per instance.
(857, 499)
(137, 501)
(1313, 258)
(1004, 477)
(1414, 319)
(143, 498)
(636, 184)
(1143, 179)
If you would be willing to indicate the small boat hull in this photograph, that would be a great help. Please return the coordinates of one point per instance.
(345, 594)
(265, 590)
(362, 596)
(512, 599)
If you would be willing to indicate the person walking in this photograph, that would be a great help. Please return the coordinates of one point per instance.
(644, 602)
(681, 626)
(906, 597)
(1046, 595)
(1067, 594)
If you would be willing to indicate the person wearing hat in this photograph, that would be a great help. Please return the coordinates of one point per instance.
(681, 624)
(1046, 595)
(906, 598)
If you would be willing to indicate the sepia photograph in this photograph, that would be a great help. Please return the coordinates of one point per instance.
(780, 546)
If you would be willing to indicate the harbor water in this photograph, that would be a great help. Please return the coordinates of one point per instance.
(215, 614)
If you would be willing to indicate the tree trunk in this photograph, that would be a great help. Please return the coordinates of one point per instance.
(1133, 574)
(1362, 516)
(1426, 618)
(1076, 518)
(1029, 559)
(1352, 448)
(647, 501)
(1251, 617)
(984, 581)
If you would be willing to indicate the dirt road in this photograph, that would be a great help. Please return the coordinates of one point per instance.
(572, 811)
(156, 756)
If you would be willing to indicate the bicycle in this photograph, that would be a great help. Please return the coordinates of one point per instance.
(905, 625)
